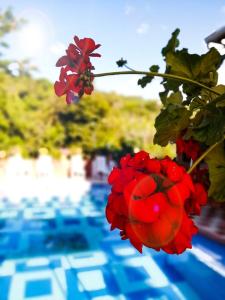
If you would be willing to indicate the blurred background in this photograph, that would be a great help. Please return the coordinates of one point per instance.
(55, 243)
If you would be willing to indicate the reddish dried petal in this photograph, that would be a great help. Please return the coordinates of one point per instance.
(95, 55)
(60, 88)
(62, 61)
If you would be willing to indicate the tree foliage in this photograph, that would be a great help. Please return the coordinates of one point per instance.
(32, 116)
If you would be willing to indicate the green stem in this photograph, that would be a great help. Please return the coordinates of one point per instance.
(203, 156)
(155, 74)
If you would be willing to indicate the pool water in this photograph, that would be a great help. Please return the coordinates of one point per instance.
(63, 249)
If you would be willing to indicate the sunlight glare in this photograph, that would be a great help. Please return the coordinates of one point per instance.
(31, 39)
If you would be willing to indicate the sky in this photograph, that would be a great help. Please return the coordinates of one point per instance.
(133, 29)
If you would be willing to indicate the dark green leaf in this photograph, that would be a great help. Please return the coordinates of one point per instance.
(174, 98)
(200, 68)
(147, 79)
(180, 63)
(169, 124)
(163, 96)
(197, 103)
(154, 68)
(144, 81)
(172, 44)
(216, 163)
(210, 126)
(207, 65)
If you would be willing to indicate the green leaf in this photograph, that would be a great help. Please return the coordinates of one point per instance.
(197, 103)
(169, 124)
(145, 80)
(174, 98)
(210, 126)
(207, 65)
(216, 163)
(221, 103)
(180, 62)
(163, 96)
(154, 68)
(219, 100)
(172, 44)
(220, 89)
(148, 79)
(201, 68)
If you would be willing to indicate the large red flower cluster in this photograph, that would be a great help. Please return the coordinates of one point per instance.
(151, 202)
(76, 75)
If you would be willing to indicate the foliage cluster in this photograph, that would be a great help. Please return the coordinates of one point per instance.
(32, 116)
(193, 107)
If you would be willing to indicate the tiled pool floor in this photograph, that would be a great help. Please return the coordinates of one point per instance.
(64, 250)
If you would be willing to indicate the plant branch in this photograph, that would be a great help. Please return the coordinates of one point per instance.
(155, 74)
(203, 156)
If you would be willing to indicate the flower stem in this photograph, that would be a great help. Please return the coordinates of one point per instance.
(155, 74)
(203, 156)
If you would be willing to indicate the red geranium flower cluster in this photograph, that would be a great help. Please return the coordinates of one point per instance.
(151, 201)
(190, 148)
(193, 150)
(76, 75)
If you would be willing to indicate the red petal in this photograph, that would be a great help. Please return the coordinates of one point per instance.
(60, 88)
(88, 90)
(76, 40)
(153, 166)
(114, 175)
(95, 55)
(62, 61)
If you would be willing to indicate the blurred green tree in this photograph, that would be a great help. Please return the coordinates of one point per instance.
(31, 116)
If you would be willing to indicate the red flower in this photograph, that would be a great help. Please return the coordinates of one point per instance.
(198, 199)
(149, 203)
(76, 77)
(190, 148)
(87, 46)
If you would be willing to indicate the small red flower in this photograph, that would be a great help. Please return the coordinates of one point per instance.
(87, 46)
(150, 203)
(198, 199)
(190, 148)
(76, 77)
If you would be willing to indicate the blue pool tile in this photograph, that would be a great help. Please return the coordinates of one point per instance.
(5, 282)
(38, 264)
(73, 290)
(76, 252)
(35, 288)
(9, 241)
(155, 294)
(110, 281)
(39, 224)
(71, 221)
(135, 274)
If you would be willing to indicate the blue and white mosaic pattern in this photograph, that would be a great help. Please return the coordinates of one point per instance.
(64, 250)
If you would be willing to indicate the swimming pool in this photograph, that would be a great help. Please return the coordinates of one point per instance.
(63, 249)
